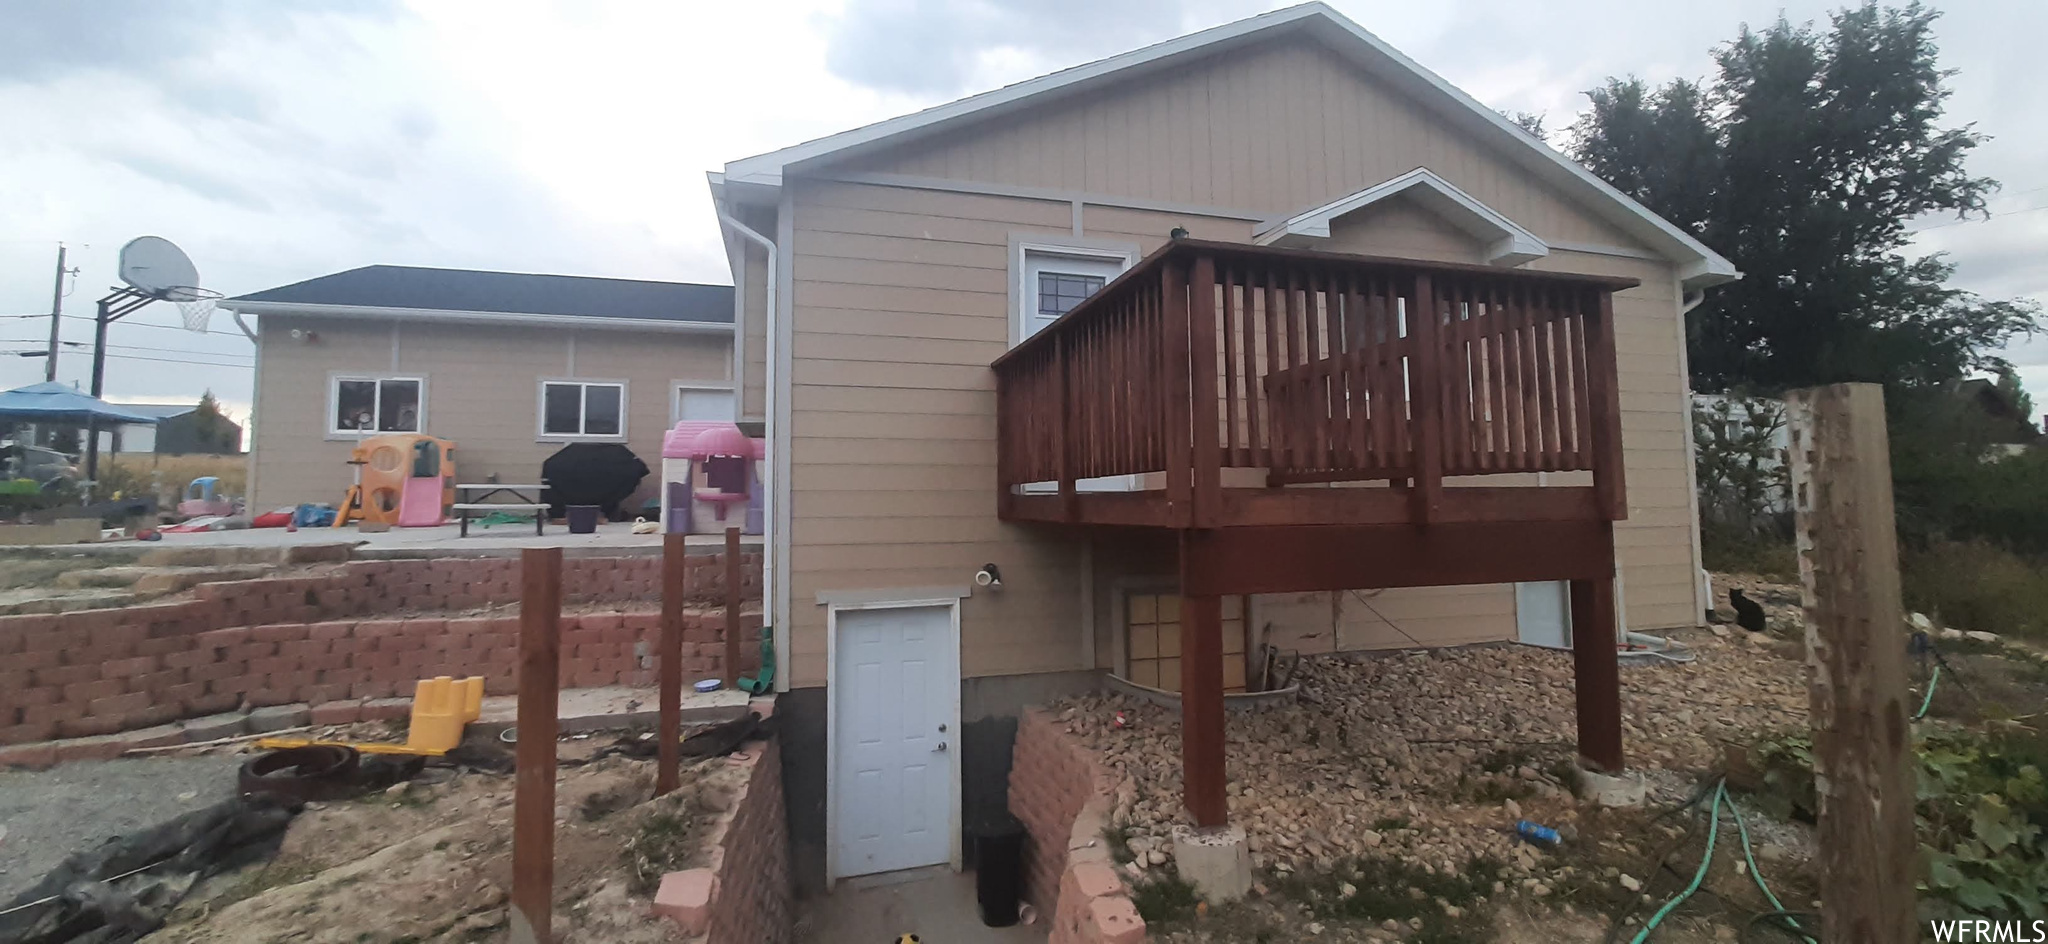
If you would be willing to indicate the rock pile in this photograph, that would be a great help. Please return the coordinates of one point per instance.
(1429, 756)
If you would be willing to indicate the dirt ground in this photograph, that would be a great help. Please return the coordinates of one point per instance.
(431, 861)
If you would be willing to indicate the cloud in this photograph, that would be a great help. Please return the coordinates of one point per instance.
(945, 47)
(48, 39)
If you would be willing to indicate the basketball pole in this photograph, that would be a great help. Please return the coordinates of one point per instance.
(112, 308)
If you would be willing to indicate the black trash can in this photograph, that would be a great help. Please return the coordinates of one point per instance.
(582, 519)
(999, 868)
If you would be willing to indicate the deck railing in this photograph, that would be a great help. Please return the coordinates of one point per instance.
(1326, 368)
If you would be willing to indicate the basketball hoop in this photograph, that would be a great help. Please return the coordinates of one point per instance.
(195, 305)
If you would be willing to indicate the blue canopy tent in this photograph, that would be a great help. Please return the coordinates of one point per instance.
(52, 402)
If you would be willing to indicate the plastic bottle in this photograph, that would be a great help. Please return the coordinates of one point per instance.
(1536, 833)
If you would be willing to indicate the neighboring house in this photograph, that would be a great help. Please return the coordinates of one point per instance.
(176, 433)
(2012, 430)
(883, 270)
(509, 366)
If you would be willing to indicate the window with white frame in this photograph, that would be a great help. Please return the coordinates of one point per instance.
(702, 402)
(582, 408)
(1057, 278)
(376, 404)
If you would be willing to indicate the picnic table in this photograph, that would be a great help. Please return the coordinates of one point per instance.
(483, 498)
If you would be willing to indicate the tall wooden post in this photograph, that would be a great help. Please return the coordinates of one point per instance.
(669, 729)
(533, 803)
(1596, 673)
(735, 575)
(1201, 707)
(1855, 647)
(1425, 402)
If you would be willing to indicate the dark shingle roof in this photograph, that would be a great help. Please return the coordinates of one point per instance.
(388, 286)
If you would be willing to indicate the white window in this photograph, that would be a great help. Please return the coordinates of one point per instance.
(1054, 279)
(693, 402)
(376, 405)
(578, 408)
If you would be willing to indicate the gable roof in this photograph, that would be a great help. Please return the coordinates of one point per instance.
(1699, 266)
(162, 411)
(1507, 243)
(473, 295)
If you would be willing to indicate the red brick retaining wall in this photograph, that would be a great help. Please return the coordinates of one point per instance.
(743, 895)
(303, 639)
(753, 901)
(1059, 792)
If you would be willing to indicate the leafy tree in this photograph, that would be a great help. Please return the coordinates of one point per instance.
(2009, 386)
(213, 432)
(1802, 162)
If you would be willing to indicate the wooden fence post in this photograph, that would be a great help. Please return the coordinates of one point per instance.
(533, 803)
(669, 731)
(1855, 647)
(735, 575)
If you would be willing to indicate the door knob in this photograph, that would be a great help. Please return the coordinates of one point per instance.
(941, 749)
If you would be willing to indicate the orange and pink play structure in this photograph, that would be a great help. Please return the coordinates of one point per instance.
(403, 479)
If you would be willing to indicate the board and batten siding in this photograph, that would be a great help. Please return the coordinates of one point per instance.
(900, 299)
(482, 392)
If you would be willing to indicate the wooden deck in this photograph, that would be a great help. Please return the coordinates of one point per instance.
(1318, 421)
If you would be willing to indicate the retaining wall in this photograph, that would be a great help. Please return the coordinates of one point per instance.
(744, 895)
(285, 640)
(1058, 790)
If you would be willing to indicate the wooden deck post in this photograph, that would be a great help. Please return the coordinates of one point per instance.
(1603, 381)
(1596, 673)
(533, 803)
(1201, 707)
(1206, 451)
(1425, 401)
(735, 575)
(669, 729)
(1173, 284)
(1849, 568)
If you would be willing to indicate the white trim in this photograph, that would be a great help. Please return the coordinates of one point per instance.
(675, 400)
(952, 605)
(331, 431)
(780, 335)
(1023, 244)
(1338, 33)
(1508, 244)
(1596, 249)
(479, 317)
(890, 596)
(540, 417)
(1048, 194)
(1702, 594)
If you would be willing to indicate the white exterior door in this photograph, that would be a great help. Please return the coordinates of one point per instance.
(894, 693)
(1543, 614)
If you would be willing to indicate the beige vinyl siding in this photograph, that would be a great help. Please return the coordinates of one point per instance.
(901, 297)
(1273, 129)
(482, 392)
(1400, 227)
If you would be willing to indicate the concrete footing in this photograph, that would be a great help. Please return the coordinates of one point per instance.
(1217, 862)
(1612, 790)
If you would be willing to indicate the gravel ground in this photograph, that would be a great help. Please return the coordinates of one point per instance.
(50, 814)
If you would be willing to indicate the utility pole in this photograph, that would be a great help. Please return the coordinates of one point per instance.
(56, 316)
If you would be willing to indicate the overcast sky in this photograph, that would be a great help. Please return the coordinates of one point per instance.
(281, 141)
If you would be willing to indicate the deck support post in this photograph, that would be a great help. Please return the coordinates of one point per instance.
(1596, 671)
(669, 726)
(1201, 705)
(533, 790)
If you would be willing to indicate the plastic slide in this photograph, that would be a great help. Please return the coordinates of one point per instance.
(419, 502)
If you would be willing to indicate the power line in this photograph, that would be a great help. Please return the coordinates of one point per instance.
(138, 357)
(2000, 215)
(135, 347)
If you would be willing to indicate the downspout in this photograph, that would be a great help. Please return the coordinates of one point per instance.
(769, 486)
(255, 396)
(1703, 583)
